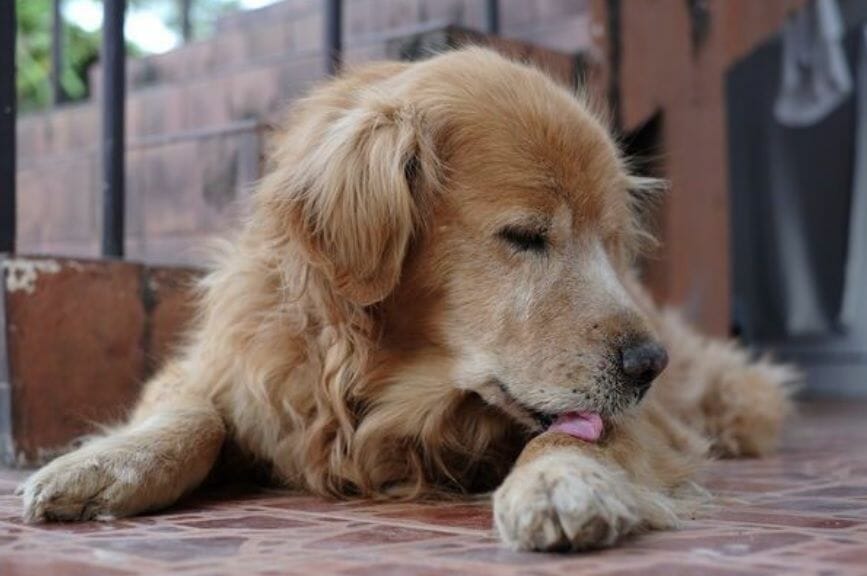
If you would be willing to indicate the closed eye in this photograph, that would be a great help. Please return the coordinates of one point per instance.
(525, 240)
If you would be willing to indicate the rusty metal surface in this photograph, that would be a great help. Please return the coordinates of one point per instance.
(82, 337)
(6, 444)
(169, 296)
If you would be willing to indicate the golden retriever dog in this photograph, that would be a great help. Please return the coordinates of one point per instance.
(433, 294)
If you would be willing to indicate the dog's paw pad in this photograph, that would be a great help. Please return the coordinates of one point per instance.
(561, 504)
(73, 488)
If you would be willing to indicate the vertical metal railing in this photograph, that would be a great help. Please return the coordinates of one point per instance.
(186, 7)
(57, 93)
(113, 105)
(333, 17)
(113, 94)
(492, 16)
(7, 127)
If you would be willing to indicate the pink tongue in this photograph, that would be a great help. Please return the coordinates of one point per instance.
(585, 426)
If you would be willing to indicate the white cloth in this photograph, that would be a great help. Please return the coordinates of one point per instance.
(816, 77)
(853, 311)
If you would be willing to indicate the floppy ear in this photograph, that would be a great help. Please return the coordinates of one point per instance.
(353, 196)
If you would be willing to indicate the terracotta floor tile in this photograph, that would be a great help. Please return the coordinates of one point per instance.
(397, 569)
(857, 492)
(29, 567)
(803, 511)
(250, 522)
(473, 516)
(741, 543)
(376, 536)
(856, 555)
(768, 519)
(681, 569)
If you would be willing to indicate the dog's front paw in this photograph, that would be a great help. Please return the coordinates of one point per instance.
(83, 485)
(563, 501)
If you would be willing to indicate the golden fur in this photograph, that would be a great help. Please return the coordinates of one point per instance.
(373, 332)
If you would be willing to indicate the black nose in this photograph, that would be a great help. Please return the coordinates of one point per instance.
(643, 362)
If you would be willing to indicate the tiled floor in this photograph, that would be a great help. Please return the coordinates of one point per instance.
(802, 512)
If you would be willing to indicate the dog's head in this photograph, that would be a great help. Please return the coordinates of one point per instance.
(484, 217)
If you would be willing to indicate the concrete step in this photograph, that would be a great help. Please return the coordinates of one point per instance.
(260, 89)
(248, 92)
(296, 28)
(247, 19)
(361, 17)
(257, 89)
(279, 39)
(367, 16)
(182, 179)
(184, 187)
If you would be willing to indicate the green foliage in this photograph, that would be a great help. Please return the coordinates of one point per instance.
(33, 55)
(81, 48)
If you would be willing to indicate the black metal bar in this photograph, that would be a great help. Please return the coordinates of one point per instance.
(333, 36)
(492, 16)
(113, 93)
(186, 7)
(57, 94)
(7, 128)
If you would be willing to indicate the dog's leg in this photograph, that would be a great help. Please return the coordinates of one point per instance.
(737, 402)
(168, 447)
(566, 494)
